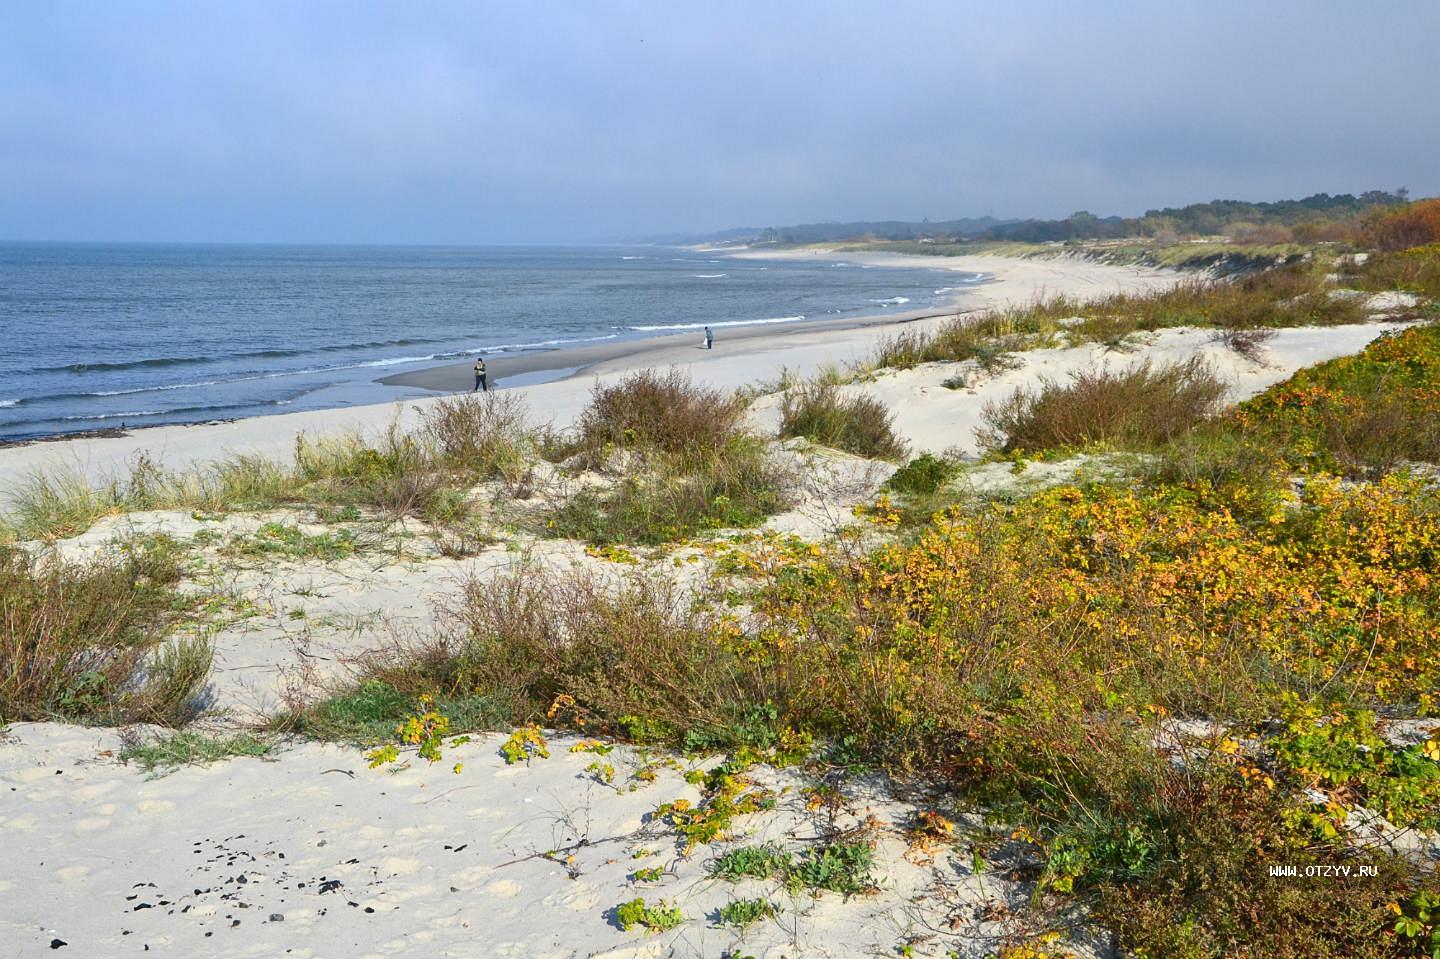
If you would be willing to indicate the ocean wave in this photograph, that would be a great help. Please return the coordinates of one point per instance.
(945, 289)
(699, 326)
(634, 258)
(249, 376)
(710, 276)
(894, 301)
(177, 411)
(8, 403)
(154, 362)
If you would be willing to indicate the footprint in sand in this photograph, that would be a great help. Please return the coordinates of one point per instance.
(397, 866)
(504, 889)
(24, 777)
(88, 794)
(72, 873)
(92, 824)
(23, 823)
(150, 807)
(580, 898)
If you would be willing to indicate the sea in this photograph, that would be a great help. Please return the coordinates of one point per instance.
(99, 336)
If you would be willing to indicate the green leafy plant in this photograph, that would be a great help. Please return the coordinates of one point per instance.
(653, 918)
(524, 745)
(745, 912)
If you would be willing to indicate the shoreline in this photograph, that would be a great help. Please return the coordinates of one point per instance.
(573, 361)
(761, 353)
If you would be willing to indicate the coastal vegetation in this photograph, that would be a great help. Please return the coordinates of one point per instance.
(821, 413)
(676, 458)
(1133, 692)
(90, 642)
(1298, 295)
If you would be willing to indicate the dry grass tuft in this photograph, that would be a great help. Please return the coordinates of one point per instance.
(1140, 407)
(857, 424)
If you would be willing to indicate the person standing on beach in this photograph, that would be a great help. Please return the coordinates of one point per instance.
(480, 383)
(709, 339)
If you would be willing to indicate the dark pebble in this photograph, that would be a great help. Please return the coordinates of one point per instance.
(57, 943)
(277, 917)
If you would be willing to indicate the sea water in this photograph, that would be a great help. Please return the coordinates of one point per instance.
(99, 335)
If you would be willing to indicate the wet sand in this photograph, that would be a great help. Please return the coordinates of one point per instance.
(528, 369)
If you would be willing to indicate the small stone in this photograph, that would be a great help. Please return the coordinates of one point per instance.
(277, 917)
(58, 943)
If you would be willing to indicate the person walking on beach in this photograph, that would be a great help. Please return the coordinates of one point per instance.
(480, 383)
(709, 339)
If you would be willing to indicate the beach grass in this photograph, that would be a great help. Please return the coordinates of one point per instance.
(820, 412)
(90, 642)
(193, 749)
(1297, 295)
(1135, 408)
(674, 459)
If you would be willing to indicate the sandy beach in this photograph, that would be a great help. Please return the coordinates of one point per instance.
(742, 356)
(307, 851)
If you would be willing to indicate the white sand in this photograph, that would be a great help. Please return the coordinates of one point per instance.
(234, 860)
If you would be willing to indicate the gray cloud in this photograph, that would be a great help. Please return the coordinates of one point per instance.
(399, 122)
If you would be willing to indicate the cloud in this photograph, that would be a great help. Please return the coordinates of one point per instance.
(395, 122)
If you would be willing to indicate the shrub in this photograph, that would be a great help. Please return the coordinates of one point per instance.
(1136, 408)
(1414, 225)
(1362, 414)
(86, 642)
(857, 424)
(650, 412)
(683, 462)
(739, 486)
(923, 475)
(479, 435)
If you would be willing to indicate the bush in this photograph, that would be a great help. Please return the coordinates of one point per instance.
(682, 461)
(86, 642)
(649, 412)
(923, 475)
(1409, 226)
(1361, 415)
(740, 486)
(1136, 408)
(857, 424)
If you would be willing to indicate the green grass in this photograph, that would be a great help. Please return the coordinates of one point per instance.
(368, 712)
(189, 749)
(459, 443)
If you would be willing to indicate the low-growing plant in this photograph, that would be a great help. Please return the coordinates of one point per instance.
(822, 413)
(741, 913)
(652, 918)
(923, 475)
(188, 748)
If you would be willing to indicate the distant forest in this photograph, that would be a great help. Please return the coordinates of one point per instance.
(1312, 218)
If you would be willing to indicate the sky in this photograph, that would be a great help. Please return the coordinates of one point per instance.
(551, 121)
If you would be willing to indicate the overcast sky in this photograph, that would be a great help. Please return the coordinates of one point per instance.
(474, 122)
